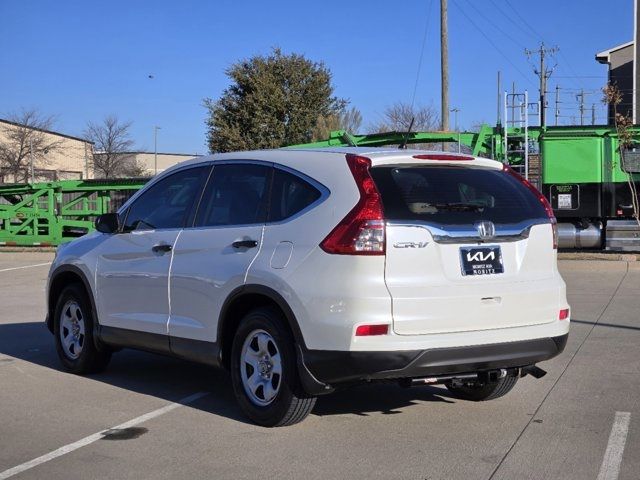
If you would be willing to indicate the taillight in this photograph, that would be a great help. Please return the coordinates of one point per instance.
(368, 330)
(564, 314)
(545, 203)
(361, 231)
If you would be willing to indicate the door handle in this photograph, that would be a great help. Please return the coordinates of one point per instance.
(245, 244)
(161, 248)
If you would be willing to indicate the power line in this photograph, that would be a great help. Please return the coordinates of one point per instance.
(488, 39)
(488, 20)
(510, 19)
(424, 41)
(591, 76)
(526, 24)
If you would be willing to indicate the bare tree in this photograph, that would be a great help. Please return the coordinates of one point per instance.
(397, 118)
(112, 149)
(349, 120)
(624, 123)
(23, 139)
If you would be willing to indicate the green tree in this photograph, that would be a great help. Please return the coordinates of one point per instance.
(273, 101)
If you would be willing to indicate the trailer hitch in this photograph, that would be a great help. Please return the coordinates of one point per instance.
(534, 371)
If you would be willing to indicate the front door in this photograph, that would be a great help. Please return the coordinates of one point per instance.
(132, 274)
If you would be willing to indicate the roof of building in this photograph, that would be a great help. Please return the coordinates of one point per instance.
(138, 152)
(604, 56)
(52, 132)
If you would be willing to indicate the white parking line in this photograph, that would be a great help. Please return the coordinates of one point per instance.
(610, 468)
(97, 436)
(25, 266)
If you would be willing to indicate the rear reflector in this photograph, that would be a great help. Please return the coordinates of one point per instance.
(368, 330)
(564, 314)
(443, 156)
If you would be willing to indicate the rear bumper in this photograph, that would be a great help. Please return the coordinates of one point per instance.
(334, 367)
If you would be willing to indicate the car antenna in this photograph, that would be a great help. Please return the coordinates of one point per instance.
(403, 145)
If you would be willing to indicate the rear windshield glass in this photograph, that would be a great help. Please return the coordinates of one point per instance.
(455, 195)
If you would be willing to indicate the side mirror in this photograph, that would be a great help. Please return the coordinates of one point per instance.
(108, 223)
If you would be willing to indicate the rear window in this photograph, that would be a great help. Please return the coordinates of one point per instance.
(455, 195)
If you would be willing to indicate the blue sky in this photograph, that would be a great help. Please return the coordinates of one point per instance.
(81, 60)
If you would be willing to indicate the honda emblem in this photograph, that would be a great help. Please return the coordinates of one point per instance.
(486, 230)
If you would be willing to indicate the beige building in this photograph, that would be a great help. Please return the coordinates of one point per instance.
(67, 158)
(164, 160)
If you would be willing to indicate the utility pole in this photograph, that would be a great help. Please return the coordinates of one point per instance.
(593, 114)
(155, 149)
(557, 104)
(31, 168)
(580, 97)
(499, 122)
(444, 64)
(543, 74)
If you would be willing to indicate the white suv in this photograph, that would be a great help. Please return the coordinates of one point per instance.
(302, 271)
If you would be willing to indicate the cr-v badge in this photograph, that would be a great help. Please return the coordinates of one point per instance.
(410, 244)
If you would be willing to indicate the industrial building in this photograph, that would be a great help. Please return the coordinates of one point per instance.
(69, 157)
(66, 159)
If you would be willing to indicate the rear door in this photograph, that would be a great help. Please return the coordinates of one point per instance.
(211, 259)
(442, 276)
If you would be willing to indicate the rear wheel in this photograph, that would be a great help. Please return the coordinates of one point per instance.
(73, 329)
(478, 391)
(263, 371)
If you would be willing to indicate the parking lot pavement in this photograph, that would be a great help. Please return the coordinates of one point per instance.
(557, 427)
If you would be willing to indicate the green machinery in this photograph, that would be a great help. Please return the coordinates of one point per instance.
(43, 214)
(578, 168)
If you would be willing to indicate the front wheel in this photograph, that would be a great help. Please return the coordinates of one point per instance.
(479, 391)
(73, 329)
(263, 371)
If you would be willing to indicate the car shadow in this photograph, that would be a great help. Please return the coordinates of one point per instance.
(172, 379)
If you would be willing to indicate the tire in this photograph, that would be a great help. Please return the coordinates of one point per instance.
(264, 373)
(483, 391)
(73, 330)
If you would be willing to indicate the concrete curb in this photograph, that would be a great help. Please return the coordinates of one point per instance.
(27, 249)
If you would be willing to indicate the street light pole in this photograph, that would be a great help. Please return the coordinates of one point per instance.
(155, 149)
(455, 112)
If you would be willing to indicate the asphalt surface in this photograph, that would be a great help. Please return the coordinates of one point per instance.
(581, 421)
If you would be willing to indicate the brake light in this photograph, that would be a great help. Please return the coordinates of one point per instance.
(564, 314)
(369, 330)
(545, 203)
(361, 231)
(443, 156)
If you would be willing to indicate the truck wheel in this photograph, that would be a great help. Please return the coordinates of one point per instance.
(73, 329)
(482, 391)
(263, 371)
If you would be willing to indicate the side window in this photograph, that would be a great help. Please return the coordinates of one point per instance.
(235, 195)
(167, 204)
(290, 194)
